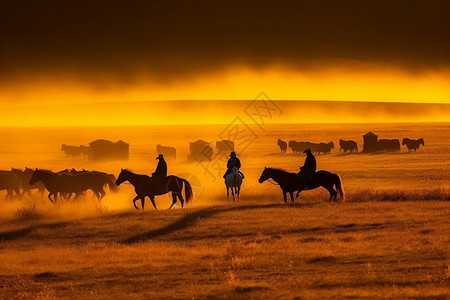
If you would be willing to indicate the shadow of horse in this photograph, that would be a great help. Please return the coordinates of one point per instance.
(190, 219)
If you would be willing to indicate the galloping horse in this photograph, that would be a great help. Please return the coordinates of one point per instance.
(233, 181)
(289, 182)
(68, 184)
(10, 183)
(144, 186)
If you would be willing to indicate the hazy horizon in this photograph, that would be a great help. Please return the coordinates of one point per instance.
(204, 112)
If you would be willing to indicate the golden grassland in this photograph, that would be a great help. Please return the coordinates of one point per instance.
(258, 250)
(388, 240)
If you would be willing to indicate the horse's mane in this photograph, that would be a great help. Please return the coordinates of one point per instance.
(277, 170)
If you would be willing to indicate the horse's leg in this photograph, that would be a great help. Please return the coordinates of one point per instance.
(238, 192)
(152, 198)
(332, 192)
(180, 196)
(174, 200)
(134, 201)
(143, 202)
(284, 196)
(292, 196)
(102, 193)
(228, 192)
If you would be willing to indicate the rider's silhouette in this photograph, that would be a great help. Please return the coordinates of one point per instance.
(233, 162)
(308, 168)
(161, 170)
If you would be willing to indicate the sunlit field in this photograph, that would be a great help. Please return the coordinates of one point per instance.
(389, 239)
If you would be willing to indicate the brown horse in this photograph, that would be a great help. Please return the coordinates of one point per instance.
(289, 182)
(68, 184)
(10, 183)
(145, 186)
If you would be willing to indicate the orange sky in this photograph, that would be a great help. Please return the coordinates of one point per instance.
(334, 50)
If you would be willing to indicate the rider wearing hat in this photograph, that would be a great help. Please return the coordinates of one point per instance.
(233, 162)
(161, 169)
(308, 168)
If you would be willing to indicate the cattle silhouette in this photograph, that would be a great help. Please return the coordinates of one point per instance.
(200, 151)
(102, 150)
(71, 151)
(349, 145)
(283, 145)
(316, 148)
(388, 145)
(297, 147)
(413, 144)
(168, 152)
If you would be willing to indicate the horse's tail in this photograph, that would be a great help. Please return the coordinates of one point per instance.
(340, 187)
(112, 186)
(187, 190)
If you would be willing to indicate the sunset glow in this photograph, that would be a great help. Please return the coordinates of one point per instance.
(51, 101)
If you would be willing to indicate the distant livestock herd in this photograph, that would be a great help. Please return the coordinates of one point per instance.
(371, 144)
(107, 150)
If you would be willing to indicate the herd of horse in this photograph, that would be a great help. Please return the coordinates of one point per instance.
(348, 145)
(70, 183)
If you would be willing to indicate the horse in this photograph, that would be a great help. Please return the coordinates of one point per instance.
(233, 181)
(283, 145)
(413, 144)
(145, 186)
(289, 182)
(10, 183)
(67, 184)
(349, 145)
(24, 178)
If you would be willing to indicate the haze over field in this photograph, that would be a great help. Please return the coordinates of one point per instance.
(173, 72)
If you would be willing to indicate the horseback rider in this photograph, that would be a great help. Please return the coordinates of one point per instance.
(161, 170)
(233, 162)
(308, 168)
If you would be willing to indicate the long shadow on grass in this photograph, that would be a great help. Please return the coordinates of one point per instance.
(17, 234)
(191, 218)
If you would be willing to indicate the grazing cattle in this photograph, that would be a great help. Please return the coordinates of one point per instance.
(72, 151)
(200, 151)
(316, 148)
(413, 144)
(349, 145)
(388, 145)
(103, 150)
(324, 147)
(85, 151)
(297, 147)
(10, 183)
(283, 145)
(225, 146)
(168, 152)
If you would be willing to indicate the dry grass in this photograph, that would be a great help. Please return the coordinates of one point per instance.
(398, 195)
(307, 250)
(389, 240)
